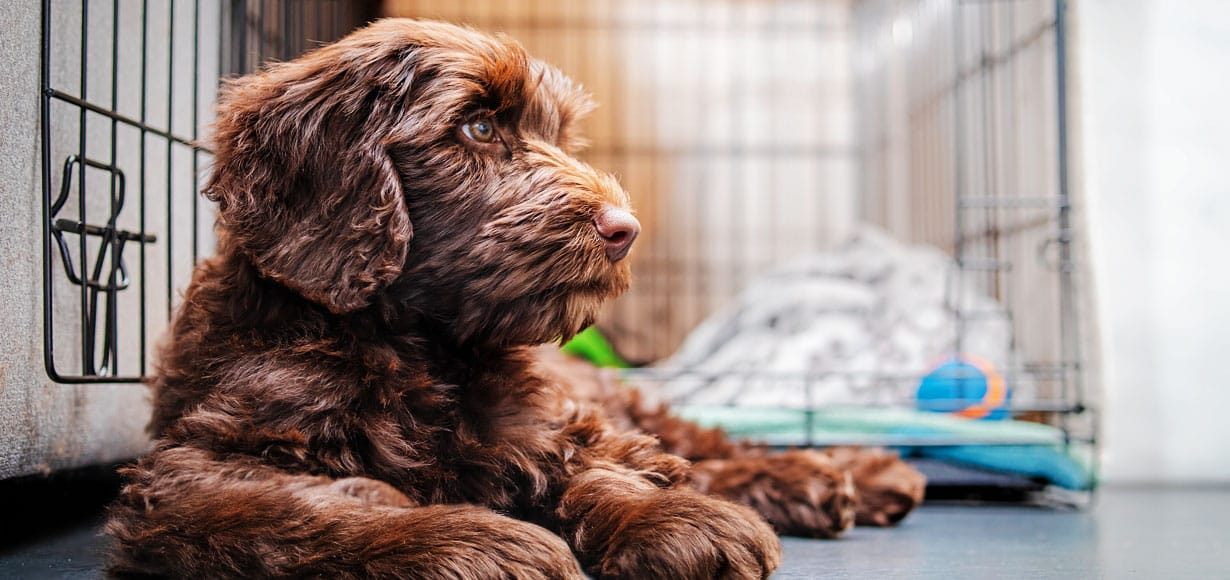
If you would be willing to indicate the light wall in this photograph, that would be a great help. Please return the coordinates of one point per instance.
(1155, 150)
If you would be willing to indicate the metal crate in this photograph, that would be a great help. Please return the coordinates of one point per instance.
(746, 132)
(950, 129)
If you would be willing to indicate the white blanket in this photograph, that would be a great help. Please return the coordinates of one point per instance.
(859, 325)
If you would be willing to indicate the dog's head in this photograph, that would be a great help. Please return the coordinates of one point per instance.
(425, 167)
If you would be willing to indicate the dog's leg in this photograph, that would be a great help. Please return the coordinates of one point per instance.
(888, 488)
(799, 492)
(622, 524)
(816, 493)
(187, 513)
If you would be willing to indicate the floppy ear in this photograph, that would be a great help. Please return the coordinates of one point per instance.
(304, 184)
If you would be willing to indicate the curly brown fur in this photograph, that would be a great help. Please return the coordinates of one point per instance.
(800, 492)
(349, 388)
(888, 488)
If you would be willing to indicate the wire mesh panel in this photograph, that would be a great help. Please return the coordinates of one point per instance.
(965, 126)
(122, 99)
(751, 134)
(258, 31)
(127, 92)
(729, 123)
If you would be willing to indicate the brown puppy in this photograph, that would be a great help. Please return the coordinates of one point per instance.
(350, 387)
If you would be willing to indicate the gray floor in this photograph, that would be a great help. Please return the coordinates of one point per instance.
(1127, 533)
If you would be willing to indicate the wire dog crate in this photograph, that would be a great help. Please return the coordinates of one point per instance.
(751, 133)
(748, 133)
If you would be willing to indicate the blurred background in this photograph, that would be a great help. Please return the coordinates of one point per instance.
(866, 221)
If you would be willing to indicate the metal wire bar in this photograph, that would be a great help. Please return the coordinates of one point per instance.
(111, 337)
(87, 347)
(196, 112)
(1069, 329)
(170, 198)
(141, 168)
(110, 114)
(957, 286)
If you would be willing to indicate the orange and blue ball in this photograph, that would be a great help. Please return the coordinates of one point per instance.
(965, 386)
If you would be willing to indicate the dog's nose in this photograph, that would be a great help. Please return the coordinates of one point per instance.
(618, 229)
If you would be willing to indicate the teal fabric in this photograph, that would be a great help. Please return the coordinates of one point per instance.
(1016, 447)
(1034, 461)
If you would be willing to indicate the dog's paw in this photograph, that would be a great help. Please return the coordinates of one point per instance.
(801, 493)
(682, 534)
(888, 488)
(473, 542)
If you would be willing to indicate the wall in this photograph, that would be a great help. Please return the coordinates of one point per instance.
(1155, 146)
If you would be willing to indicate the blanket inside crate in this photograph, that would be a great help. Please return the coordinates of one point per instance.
(864, 322)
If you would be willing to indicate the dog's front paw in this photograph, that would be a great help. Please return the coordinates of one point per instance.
(888, 488)
(801, 493)
(473, 542)
(682, 534)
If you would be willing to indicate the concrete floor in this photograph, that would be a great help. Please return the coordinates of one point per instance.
(1164, 533)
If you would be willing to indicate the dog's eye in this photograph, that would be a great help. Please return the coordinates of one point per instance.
(479, 131)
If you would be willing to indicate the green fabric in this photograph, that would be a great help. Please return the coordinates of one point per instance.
(593, 347)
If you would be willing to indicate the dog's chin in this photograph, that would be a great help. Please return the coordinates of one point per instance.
(605, 287)
(568, 312)
(579, 308)
(557, 312)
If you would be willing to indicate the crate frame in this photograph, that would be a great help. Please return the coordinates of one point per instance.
(253, 31)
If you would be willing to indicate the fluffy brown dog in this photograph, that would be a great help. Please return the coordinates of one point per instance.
(351, 386)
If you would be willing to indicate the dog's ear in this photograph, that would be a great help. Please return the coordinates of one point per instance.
(304, 184)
